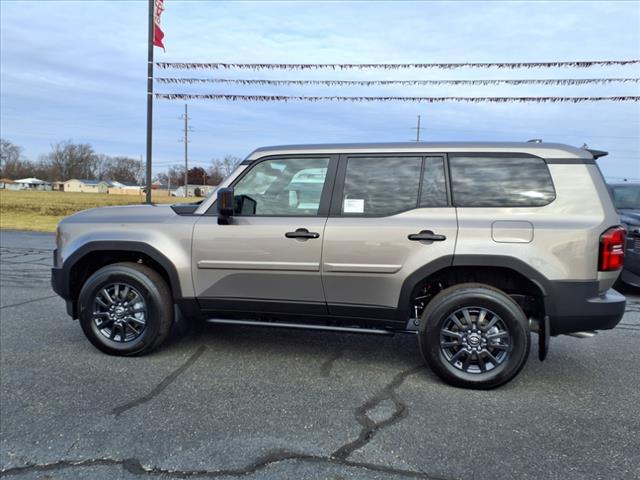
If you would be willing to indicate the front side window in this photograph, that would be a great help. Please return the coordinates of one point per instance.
(285, 186)
(479, 181)
(379, 186)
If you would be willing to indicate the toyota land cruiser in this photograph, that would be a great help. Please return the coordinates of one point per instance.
(468, 246)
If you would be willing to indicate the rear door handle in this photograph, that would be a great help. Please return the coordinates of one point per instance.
(302, 233)
(426, 235)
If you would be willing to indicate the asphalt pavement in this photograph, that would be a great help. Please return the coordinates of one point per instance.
(237, 402)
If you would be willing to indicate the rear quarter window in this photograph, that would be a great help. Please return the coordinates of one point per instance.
(492, 181)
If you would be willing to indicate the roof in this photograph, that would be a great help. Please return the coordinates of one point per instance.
(546, 150)
(32, 180)
(89, 182)
(7, 180)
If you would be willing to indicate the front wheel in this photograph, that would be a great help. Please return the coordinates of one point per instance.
(126, 309)
(474, 336)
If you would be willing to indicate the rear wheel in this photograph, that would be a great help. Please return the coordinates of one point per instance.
(474, 336)
(126, 309)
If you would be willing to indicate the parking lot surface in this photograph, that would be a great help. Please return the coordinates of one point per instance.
(237, 402)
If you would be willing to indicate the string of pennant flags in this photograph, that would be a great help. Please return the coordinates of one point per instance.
(390, 66)
(369, 83)
(337, 98)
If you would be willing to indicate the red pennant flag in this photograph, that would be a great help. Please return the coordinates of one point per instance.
(158, 34)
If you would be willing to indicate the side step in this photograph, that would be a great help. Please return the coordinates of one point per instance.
(303, 326)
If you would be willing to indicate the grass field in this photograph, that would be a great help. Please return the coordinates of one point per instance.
(41, 211)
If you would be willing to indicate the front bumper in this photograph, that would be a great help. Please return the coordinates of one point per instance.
(58, 284)
(578, 307)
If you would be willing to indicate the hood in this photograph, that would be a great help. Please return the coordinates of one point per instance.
(121, 214)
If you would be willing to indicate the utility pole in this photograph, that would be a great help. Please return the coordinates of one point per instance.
(186, 150)
(149, 98)
(417, 129)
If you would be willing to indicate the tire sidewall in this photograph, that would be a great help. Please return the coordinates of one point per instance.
(514, 320)
(147, 289)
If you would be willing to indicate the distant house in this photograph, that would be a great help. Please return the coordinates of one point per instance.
(57, 186)
(31, 184)
(86, 186)
(203, 190)
(7, 183)
(119, 188)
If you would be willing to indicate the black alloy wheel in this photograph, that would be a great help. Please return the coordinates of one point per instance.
(126, 309)
(474, 336)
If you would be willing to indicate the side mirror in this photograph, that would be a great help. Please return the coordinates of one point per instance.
(225, 203)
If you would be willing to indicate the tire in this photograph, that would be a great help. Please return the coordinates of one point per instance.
(135, 315)
(474, 349)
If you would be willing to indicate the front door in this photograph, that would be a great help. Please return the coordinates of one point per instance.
(267, 259)
(391, 215)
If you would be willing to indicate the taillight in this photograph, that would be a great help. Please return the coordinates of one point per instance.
(611, 250)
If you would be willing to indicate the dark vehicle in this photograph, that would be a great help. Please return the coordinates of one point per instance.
(626, 198)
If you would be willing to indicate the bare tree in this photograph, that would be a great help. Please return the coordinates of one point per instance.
(101, 166)
(70, 160)
(12, 165)
(175, 175)
(214, 174)
(222, 168)
(227, 165)
(123, 169)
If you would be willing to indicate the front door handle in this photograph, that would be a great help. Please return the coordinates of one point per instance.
(426, 235)
(302, 233)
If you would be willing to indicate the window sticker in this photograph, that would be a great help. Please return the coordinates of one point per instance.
(353, 205)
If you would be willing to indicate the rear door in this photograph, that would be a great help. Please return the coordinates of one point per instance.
(391, 215)
(268, 258)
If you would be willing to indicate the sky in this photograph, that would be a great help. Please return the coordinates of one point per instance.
(76, 70)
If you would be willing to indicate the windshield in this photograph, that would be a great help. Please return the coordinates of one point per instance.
(626, 196)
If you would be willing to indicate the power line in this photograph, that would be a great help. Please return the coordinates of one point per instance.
(335, 98)
(368, 83)
(389, 66)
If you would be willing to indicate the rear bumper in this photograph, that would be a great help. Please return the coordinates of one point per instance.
(578, 307)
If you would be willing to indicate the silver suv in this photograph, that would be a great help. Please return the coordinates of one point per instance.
(468, 246)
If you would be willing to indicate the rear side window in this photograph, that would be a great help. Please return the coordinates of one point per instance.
(479, 181)
(379, 186)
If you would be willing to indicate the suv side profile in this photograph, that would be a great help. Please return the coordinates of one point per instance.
(468, 246)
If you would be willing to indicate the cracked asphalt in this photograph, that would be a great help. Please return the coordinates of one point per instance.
(229, 402)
